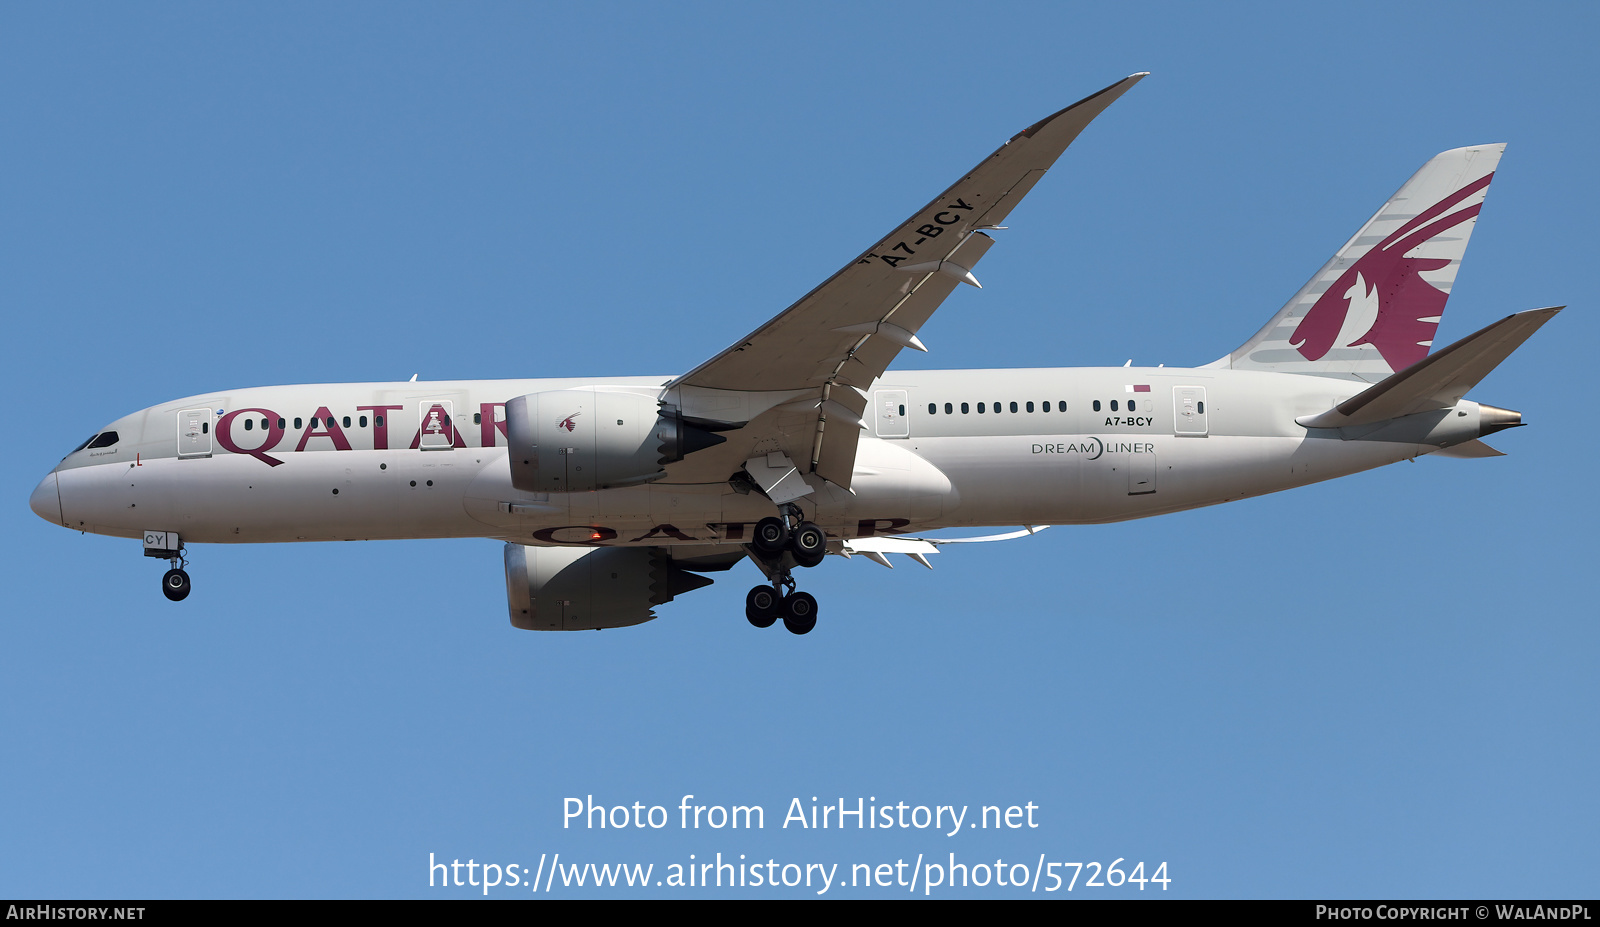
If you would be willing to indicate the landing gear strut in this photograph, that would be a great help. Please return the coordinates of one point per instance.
(774, 545)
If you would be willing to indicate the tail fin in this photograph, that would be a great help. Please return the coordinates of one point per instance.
(1373, 308)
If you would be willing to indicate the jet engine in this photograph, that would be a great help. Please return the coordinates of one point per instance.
(581, 440)
(587, 588)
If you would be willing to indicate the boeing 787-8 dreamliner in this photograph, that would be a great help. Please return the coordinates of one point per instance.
(613, 496)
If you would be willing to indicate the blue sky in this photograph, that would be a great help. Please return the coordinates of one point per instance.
(1379, 686)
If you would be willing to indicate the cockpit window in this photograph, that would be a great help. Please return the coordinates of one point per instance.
(84, 444)
(103, 440)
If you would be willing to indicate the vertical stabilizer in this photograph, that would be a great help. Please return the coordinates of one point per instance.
(1374, 307)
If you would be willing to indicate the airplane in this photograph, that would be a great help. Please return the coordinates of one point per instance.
(615, 496)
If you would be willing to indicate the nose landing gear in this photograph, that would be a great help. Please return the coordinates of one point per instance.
(775, 546)
(167, 545)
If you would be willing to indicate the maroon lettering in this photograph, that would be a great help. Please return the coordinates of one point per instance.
(380, 425)
(487, 423)
(870, 526)
(333, 431)
(274, 435)
(436, 421)
(663, 531)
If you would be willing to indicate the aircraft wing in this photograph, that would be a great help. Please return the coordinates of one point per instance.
(841, 336)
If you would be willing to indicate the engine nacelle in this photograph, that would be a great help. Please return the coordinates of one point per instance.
(581, 440)
(587, 588)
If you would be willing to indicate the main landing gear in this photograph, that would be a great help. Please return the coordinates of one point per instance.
(775, 545)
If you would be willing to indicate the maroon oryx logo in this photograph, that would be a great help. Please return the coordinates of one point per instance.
(1382, 299)
(568, 422)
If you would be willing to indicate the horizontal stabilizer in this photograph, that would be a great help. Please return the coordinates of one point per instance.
(1439, 380)
(1472, 450)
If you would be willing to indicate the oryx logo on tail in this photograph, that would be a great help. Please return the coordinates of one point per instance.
(1373, 308)
(1383, 299)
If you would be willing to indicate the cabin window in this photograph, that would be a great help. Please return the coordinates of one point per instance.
(280, 421)
(1113, 405)
(1200, 407)
(1013, 407)
(1030, 407)
(1130, 405)
(933, 408)
(902, 409)
(347, 421)
(249, 424)
(297, 422)
(1063, 405)
(205, 428)
(980, 408)
(363, 421)
(963, 408)
(379, 420)
(103, 440)
(1097, 405)
(1047, 407)
(948, 409)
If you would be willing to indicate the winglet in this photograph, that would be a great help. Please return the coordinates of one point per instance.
(1117, 89)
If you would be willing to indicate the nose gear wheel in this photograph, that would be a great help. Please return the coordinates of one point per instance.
(175, 584)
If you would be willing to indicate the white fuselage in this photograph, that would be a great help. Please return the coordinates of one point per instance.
(1115, 443)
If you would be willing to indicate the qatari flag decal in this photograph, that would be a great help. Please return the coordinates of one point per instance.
(1138, 387)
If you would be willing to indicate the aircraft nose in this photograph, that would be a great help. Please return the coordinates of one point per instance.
(46, 500)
